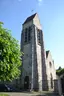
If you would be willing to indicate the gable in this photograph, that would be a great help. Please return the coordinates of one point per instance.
(36, 21)
(47, 52)
(48, 55)
(29, 18)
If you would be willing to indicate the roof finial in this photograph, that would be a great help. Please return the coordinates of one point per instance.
(32, 11)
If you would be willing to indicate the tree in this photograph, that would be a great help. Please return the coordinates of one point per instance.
(59, 68)
(9, 56)
(60, 71)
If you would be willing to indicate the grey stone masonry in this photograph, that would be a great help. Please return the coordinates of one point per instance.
(34, 62)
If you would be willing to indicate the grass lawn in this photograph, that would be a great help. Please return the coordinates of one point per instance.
(4, 94)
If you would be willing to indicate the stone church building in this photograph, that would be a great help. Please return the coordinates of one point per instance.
(38, 71)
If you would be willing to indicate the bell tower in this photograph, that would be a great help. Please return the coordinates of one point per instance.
(33, 61)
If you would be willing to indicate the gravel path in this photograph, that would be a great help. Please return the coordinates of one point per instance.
(19, 94)
(27, 94)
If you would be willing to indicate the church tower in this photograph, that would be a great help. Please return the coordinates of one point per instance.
(33, 61)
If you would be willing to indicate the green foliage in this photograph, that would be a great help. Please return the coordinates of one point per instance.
(60, 71)
(4, 95)
(9, 56)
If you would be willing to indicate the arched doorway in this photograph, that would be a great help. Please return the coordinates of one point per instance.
(26, 82)
(51, 79)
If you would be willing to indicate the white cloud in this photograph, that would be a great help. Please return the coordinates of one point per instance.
(40, 2)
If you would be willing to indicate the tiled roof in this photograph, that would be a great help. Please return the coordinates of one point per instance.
(29, 18)
(47, 52)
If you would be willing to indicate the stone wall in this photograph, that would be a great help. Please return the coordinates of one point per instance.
(50, 70)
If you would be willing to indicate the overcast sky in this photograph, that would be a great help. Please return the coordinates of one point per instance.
(51, 14)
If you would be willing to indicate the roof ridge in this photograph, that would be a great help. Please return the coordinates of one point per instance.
(29, 18)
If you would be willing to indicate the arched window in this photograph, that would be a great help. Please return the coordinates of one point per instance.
(29, 33)
(39, 36)
(50, 64)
